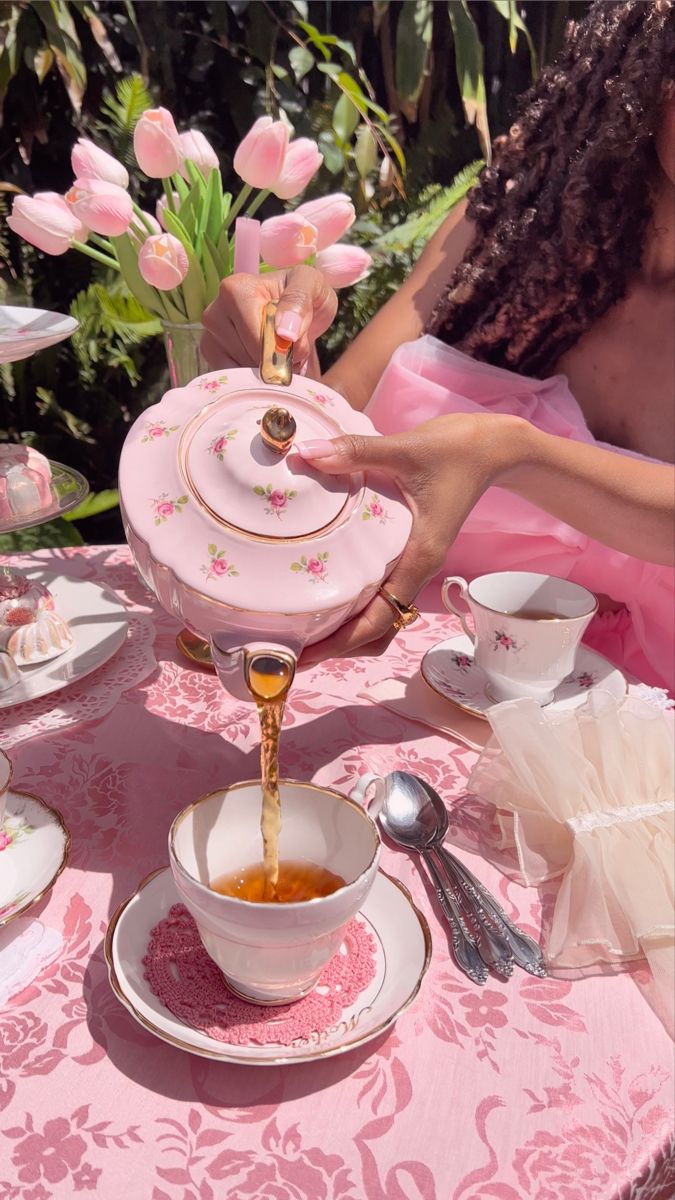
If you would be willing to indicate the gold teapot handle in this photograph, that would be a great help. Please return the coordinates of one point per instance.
(276, 354)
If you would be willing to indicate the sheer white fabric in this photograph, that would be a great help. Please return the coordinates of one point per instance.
(589, 795)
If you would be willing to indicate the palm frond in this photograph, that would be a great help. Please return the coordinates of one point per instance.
(436, 202)
(120, 112)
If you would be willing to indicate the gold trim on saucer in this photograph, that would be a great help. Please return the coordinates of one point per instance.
(66, 852)
(332, 1052)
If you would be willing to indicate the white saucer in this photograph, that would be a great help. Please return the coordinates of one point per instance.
(24, 331)
(98, 623)
(450, 671)
(403, 951)
(36, 855)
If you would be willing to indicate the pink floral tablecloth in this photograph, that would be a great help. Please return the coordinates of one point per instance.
(543, 1090)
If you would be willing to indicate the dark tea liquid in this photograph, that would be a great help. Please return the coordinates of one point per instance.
(295, 881)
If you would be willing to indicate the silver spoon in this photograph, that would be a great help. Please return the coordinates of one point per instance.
(412, 812)
(396, 824)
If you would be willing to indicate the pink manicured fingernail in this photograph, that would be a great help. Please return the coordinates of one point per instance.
(288, 325)
(315, 448)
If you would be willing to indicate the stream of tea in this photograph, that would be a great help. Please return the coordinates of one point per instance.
(269, 679)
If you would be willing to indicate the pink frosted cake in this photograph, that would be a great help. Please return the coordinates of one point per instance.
(25, 482)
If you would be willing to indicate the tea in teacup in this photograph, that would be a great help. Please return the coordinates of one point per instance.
(273, 953)
(296, 881)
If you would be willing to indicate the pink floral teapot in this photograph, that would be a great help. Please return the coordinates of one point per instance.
(238, 538)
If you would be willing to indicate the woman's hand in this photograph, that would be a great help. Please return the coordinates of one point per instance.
(306, 308)
(442, 468)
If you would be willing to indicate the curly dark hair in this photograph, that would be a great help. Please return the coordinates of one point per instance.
(561, 214)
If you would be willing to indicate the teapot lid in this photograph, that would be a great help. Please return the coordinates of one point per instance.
(237, 462)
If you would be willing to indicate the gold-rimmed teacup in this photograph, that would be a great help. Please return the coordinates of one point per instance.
(272, 953)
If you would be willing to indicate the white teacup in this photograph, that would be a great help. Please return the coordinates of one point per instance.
(272, 953)
(527, 629)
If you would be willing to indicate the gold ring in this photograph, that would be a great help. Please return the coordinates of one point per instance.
(405, 613)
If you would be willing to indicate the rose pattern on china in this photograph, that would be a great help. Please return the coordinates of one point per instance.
(219, 444)
(463, 662)
(211, 385)
(586, 679)
(14, 829)
(164, 508)
(506, 641)
(322, 399)
(314, 566)
(154, 430)
(218, 564)
(375, 511)
(276, 500)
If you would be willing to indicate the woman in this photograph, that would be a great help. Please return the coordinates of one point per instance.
(551, 298)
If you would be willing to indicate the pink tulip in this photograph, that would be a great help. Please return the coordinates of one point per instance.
(90, 162)
(103, 207)
(199, 150)
(140, 228)
(46, 221)
(287, 240)
(302, 161)
(259, 157)
(157, 144)
(343, 265)
(332, 216)
(162, 262)
(161, 206)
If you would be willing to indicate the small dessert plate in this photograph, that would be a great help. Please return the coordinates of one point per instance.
(403, 951)
(98, 623)
(69, 489)
(34, 845)
(450, 670)
(24, 331)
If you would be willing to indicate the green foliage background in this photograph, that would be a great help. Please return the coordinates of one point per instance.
(423, 82)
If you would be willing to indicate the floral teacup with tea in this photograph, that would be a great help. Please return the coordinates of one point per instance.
(273, 953)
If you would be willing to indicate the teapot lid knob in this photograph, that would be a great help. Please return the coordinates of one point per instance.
(277, 429)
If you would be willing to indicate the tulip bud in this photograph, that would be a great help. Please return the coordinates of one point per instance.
(162, 205)
(287, 240)
(331, 215)
(140, 226)
(156, 144)
(163, 262)
(90, 162)
(302, 161)
(199, 151)
(103, 207)
(259, 157)
(343, 265)
(46, 221)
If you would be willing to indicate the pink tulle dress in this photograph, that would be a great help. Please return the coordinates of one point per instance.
(427, 379)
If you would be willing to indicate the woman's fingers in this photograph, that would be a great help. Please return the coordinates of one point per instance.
(307, 305)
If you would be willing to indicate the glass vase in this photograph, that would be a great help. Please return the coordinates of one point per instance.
(183, 352)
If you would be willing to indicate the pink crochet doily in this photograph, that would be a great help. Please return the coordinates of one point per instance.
(190, 985)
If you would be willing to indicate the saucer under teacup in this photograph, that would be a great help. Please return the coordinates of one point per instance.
(449, 669)
(34, 846)
(402, 949)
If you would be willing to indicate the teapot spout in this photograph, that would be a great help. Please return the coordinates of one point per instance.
(258, 671)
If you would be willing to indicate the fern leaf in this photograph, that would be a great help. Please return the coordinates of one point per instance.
(120, 112)
(410, 235)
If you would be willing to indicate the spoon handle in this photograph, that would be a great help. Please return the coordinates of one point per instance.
(490, 941)
(465, 953)
(525, 951)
